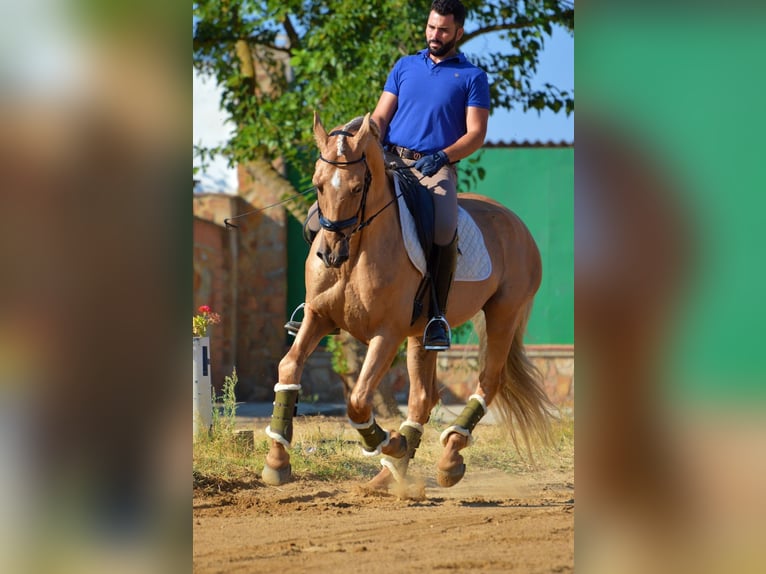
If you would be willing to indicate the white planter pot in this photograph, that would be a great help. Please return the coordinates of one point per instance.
(203, 390)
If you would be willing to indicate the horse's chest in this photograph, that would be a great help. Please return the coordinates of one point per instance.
(361, 295)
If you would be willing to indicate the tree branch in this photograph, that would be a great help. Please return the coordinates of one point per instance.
(467, 36)
(292, 35)
(198, 43)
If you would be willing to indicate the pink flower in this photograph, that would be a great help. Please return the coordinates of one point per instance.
(201, 322)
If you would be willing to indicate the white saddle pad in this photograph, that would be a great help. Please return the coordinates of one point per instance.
(473, 262)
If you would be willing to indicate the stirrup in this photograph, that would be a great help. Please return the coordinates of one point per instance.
(292, 326)
(436, 346)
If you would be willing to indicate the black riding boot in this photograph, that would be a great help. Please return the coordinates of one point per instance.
(443, 261)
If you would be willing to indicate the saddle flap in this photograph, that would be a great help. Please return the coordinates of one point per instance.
(420, 203)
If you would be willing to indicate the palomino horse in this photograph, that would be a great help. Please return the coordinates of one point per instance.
(362, 281)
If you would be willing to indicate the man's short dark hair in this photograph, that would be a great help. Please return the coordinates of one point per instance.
(447, 7)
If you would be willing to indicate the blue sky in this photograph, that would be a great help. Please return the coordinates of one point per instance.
(556, 66)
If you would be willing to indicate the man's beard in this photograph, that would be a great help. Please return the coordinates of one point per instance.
(443, 50)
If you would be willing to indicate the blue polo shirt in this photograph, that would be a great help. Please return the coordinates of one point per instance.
(432, 99)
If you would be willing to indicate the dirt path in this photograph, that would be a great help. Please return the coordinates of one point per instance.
(490, 522)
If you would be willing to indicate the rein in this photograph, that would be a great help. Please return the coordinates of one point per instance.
(328, 224)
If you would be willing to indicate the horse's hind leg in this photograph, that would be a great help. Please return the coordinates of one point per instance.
(277, 469)
(500, 331)
(423, 396)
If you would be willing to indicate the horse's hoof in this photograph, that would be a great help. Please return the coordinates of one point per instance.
(447, 478)
(276, 476)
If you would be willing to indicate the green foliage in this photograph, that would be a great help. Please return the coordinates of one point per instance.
(338, 361)
(337, 357)
(225, 408)
(463, 332)
(220, 455)
(334, 56)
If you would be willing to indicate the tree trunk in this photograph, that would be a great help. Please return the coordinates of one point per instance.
(263, 172)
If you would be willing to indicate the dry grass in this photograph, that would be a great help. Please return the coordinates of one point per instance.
(328, 449)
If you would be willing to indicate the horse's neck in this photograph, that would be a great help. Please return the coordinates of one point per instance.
(382, 238)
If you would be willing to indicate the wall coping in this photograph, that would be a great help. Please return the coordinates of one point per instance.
(549, 350)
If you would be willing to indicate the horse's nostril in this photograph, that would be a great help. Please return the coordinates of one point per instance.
(323, 256)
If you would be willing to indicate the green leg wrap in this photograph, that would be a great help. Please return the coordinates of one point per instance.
(413, 436)
(412, 432)
(285, 407)
(467, 420)
(374, 438)
(471, 415)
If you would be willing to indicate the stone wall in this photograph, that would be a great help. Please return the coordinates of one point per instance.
(458, 371)
(241, 273)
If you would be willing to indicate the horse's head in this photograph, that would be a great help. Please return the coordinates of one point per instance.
(342, 178)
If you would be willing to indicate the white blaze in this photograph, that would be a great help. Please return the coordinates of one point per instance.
(336, 179)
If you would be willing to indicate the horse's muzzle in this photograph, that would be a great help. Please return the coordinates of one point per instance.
(333, 256)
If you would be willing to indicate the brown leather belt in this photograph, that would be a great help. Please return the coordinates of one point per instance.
(404, 152)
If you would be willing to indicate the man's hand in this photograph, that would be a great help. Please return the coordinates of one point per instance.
(430, 164)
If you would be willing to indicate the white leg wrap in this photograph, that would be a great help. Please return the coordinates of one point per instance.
(390, 464)
(282, 387)
(456, 429)
(363, 426)
(380, 448)
(277, 437)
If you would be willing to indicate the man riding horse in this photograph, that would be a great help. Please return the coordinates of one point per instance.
(432, 113)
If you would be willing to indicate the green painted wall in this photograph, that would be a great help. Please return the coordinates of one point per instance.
(536, 183)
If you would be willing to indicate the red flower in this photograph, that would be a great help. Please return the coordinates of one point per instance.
(204, 309)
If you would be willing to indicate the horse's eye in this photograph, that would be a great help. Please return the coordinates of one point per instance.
(357, 189)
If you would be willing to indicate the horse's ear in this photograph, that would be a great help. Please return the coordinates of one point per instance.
(320, 134)
(374, 129)
(363, 130)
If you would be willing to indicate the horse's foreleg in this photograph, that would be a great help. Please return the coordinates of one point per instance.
(277, 468)
(375, 440)
(423, 396)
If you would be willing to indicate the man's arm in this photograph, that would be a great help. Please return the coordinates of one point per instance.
(384, 111)
(476, 125)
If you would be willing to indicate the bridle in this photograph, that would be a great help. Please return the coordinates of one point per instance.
(357, 221)
(338, 226)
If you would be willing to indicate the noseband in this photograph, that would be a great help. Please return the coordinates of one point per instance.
(339, 226)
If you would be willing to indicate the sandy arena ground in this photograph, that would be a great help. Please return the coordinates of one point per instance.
(489, 522)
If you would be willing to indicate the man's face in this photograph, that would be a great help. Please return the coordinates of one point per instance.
(442, 34)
